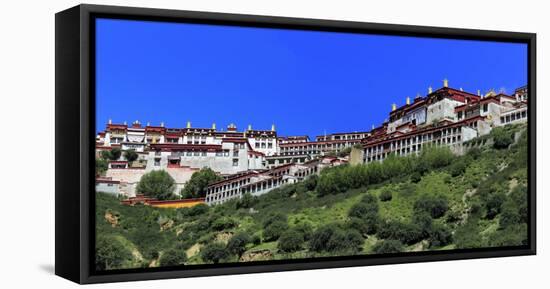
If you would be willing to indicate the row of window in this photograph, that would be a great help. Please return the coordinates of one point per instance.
(513, 117)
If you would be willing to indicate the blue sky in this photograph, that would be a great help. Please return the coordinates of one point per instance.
(305, 82)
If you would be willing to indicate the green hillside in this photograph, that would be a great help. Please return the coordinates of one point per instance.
(434, 201)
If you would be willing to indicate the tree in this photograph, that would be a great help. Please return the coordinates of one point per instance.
(101, 166)
(106, 155)
(237, 243)
(115, 154)
(196, 186)
(173, 257)
(110, 253)
(436, 206)
(130, 155)
(157, 184)
(388, 247)
(214, 253)
(290, 241)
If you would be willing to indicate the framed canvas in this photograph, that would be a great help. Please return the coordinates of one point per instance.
(194, 144)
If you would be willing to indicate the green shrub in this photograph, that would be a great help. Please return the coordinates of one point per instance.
(290, 241)
(502, 138)
(305, 229)
(330, 238)
(274, 230)
(224, 223)
(436, 206)
(237, 243)
(214, 253)
(493, 204)
(407, 233)
(440, 236)
(101, 166)
(416, 177)
(246, 201)
(130, 155)
(110, 253)
(385, 196)
(173, 257)
(388, 247)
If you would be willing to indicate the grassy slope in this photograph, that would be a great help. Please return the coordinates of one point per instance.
(140, 226)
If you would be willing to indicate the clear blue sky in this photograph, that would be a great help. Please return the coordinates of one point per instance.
(305, 82)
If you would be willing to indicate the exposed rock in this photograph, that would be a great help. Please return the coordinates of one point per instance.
(224, 237)
(166, 225)
(193, 250)
(258, 255)
(112, 218)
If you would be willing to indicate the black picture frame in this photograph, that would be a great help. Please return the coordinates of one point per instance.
(75, 139)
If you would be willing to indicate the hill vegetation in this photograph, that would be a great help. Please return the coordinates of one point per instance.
(433, 201)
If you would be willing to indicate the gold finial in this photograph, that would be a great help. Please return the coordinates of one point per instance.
(408, 100)
(273, 127)
(188, 124)
(393, 108)
(214, 126)
(430, 89)
(445, 82)
(249, 127)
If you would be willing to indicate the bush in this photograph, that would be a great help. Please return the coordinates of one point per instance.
(458, 167)
(321, 236)
(214, 253)
(416, 177)
(291, 241)
(385, 196)
(196, 186)
(101, 166)
(305, 229)
(407, 233)
(246, 201)
(502, 138)
(331, 238)
(224, 223)
(157, 184)
(274, 230)
(436, 206)
(110, 253)
(173, 257)
(388, 247)
(493, 204)
(237, 243)
(424, 222)
(440, 236)
(130, 155)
